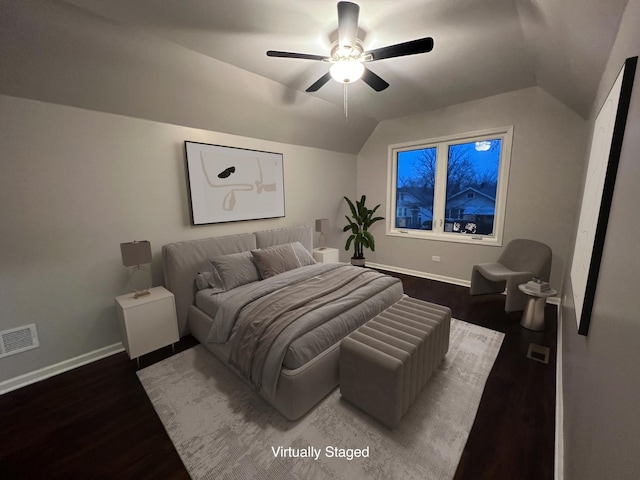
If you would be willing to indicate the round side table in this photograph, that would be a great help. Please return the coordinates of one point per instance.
(533, 316)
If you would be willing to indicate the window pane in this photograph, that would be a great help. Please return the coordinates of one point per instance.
(415, 183)
(472, 184)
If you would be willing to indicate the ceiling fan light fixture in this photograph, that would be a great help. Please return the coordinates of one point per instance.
(346, 71)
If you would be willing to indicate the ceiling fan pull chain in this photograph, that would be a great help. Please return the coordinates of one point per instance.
(346, 103)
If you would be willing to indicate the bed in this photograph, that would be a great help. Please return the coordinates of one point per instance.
(262, 305)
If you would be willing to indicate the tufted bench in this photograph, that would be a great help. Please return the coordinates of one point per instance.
(385, 363)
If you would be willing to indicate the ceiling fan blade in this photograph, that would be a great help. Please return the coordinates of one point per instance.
(373, 80)
(319, 83)
(421, 45)
(347, 23)
(304, 56)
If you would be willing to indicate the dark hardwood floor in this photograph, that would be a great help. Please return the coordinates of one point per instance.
(514, 432)
(97, 422)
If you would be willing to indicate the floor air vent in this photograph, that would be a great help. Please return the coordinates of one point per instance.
(18, 340)
(538, 353)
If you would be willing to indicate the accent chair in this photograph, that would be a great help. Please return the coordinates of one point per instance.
(520, 261)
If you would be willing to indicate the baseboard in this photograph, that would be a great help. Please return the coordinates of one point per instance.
(47, 372)
(439, 278)
(559, 441)
(416, 273)
(554, 301)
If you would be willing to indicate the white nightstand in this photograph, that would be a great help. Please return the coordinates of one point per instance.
(147, 323)
(326, 255)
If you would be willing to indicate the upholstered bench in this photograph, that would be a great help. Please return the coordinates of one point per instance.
(385, 363)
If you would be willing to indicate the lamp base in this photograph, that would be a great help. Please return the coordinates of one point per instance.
(323, 240)
(144, 281)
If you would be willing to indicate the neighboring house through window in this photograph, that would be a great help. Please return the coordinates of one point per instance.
(451, 188)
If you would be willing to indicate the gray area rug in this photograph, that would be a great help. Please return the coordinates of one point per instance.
(223, 430)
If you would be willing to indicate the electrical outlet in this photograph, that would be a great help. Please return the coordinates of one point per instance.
(435, 258)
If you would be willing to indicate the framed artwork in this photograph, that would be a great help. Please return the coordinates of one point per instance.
(228, 184)
(606, 144)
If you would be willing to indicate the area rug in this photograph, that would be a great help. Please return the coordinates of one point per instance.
(223, 430)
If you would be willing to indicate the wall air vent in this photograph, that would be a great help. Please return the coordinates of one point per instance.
(18, 340)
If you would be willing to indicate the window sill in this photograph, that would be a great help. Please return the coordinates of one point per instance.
(446, 237)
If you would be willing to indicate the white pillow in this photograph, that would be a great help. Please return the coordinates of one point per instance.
(304, 256)
(208, 278)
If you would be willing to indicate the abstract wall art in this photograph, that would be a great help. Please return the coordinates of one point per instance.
(228, 184)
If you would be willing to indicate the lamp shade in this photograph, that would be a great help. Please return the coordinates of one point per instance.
(322, 225)
(135, 253)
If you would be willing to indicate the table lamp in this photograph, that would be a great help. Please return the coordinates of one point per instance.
(135, 254)
(322, 225)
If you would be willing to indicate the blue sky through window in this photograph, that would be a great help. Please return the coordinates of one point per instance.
(408, 162)
(484, 156)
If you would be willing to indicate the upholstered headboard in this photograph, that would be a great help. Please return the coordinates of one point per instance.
(279, 236)
(181, 260)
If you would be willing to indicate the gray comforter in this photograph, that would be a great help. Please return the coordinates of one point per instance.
(326, 301)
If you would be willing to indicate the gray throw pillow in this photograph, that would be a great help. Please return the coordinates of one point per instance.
(274, 260)
(236, 269)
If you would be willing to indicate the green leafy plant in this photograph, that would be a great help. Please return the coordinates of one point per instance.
(361, 219)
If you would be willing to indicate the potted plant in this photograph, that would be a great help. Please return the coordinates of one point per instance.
(361, 219)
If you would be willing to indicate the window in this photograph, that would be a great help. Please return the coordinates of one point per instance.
(452, 188)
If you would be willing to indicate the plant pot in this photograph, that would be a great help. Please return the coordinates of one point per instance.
(357, 262)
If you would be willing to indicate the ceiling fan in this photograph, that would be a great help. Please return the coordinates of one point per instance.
(348, 55)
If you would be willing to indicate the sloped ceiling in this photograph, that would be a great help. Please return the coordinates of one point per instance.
(482, 48)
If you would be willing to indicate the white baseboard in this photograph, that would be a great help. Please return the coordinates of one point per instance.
(416, 273)
(439, 278)
(46, 372)
(559, 442)
(554, 301)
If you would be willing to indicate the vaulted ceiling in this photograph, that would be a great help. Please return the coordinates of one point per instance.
(482, 47)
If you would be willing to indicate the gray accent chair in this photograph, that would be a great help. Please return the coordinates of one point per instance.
(520, 261)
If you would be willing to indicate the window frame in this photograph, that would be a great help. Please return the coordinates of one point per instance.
(439, 214)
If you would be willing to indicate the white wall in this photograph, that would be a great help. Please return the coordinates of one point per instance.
(546, 167)
(76, 183)
(600, 371)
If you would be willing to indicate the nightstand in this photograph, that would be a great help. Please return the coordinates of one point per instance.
(326, 255)
(147, 323)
